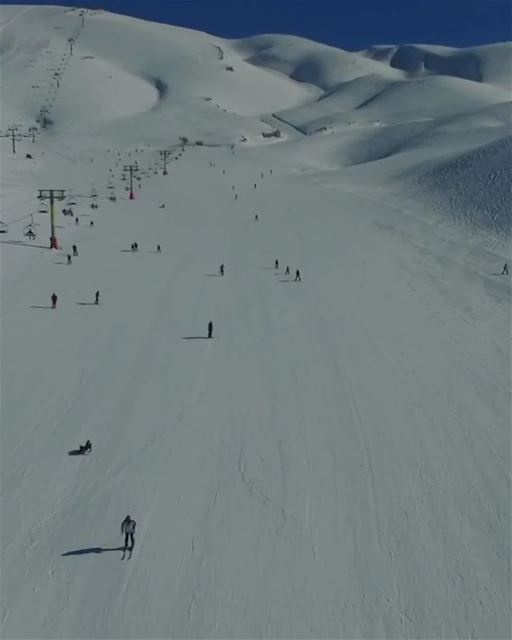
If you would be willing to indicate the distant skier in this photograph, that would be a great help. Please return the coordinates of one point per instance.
(97, 297)
(276, 264)
(255, 185)
(75, 250)
(54, 300)
(76, 220)
(236, 196)
(158, 248)
(270, 170)
(297, 276)
(69, 258)
(261, 176)
(210, 329)
(91, 224)
(221, 269)
(223, 172)
(505, 270)
(287, 272)
(128, 528)
(85, 448)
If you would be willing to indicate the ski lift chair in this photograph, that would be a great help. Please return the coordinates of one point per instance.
(3, 227)
(29, 231)
(43, 208)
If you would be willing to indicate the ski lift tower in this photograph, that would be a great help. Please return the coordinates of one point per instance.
(51, 195)
(131, 168)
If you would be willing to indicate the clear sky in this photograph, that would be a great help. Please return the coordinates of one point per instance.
(349, 24)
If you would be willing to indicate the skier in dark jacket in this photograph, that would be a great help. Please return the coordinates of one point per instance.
(276, 264)
(69, 258)
(210, 329)
(287, 272)
(54, 300)
(505, 270)
(97, 297)
(75, 250)
(221, 269)
(297, 276)
(85, 448)
(128, 528)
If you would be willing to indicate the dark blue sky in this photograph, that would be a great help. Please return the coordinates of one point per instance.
(349, 24)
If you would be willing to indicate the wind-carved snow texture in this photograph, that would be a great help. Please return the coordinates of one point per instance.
(335, 461)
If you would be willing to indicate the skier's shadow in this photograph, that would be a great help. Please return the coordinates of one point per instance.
(83, 552)
(87, 304)
(196, 338)
(38, 306)
(212, 275)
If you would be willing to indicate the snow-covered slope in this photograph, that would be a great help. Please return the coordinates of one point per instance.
(335, 461)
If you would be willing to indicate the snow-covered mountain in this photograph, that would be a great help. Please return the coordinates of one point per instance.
(335, 462)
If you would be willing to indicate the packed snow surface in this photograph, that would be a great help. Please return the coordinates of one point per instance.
(335, 461)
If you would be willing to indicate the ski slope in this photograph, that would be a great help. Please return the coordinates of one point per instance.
(335, 461)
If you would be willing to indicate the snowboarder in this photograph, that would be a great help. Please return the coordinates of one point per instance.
(85, 448)
(297, 276)
(54, 300)
(287, 272)
(128, 528)
(69, 258)
(158, 248)
(276, 264)
(221, 269)
(97, 297)
(75, 250)
(210, 329)
(505, 270)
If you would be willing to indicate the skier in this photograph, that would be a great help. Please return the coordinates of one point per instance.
(297, 276)
(261, 176)
(276, 264)
(505, 270)
(255, 185)
(76, 220)
(128, 528)
(135, 247)
(270, 170)
(75, 250)
(97, 297)
(236, 196)
(54, 300)
(85, 448)
(221, 269)
(210, 329)
(69, 258)
(158, 248)
(223, 172)
(91, 223)
(287, 272)
(256, 218)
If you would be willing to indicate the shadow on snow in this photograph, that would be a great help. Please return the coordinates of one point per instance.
(83, 552)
